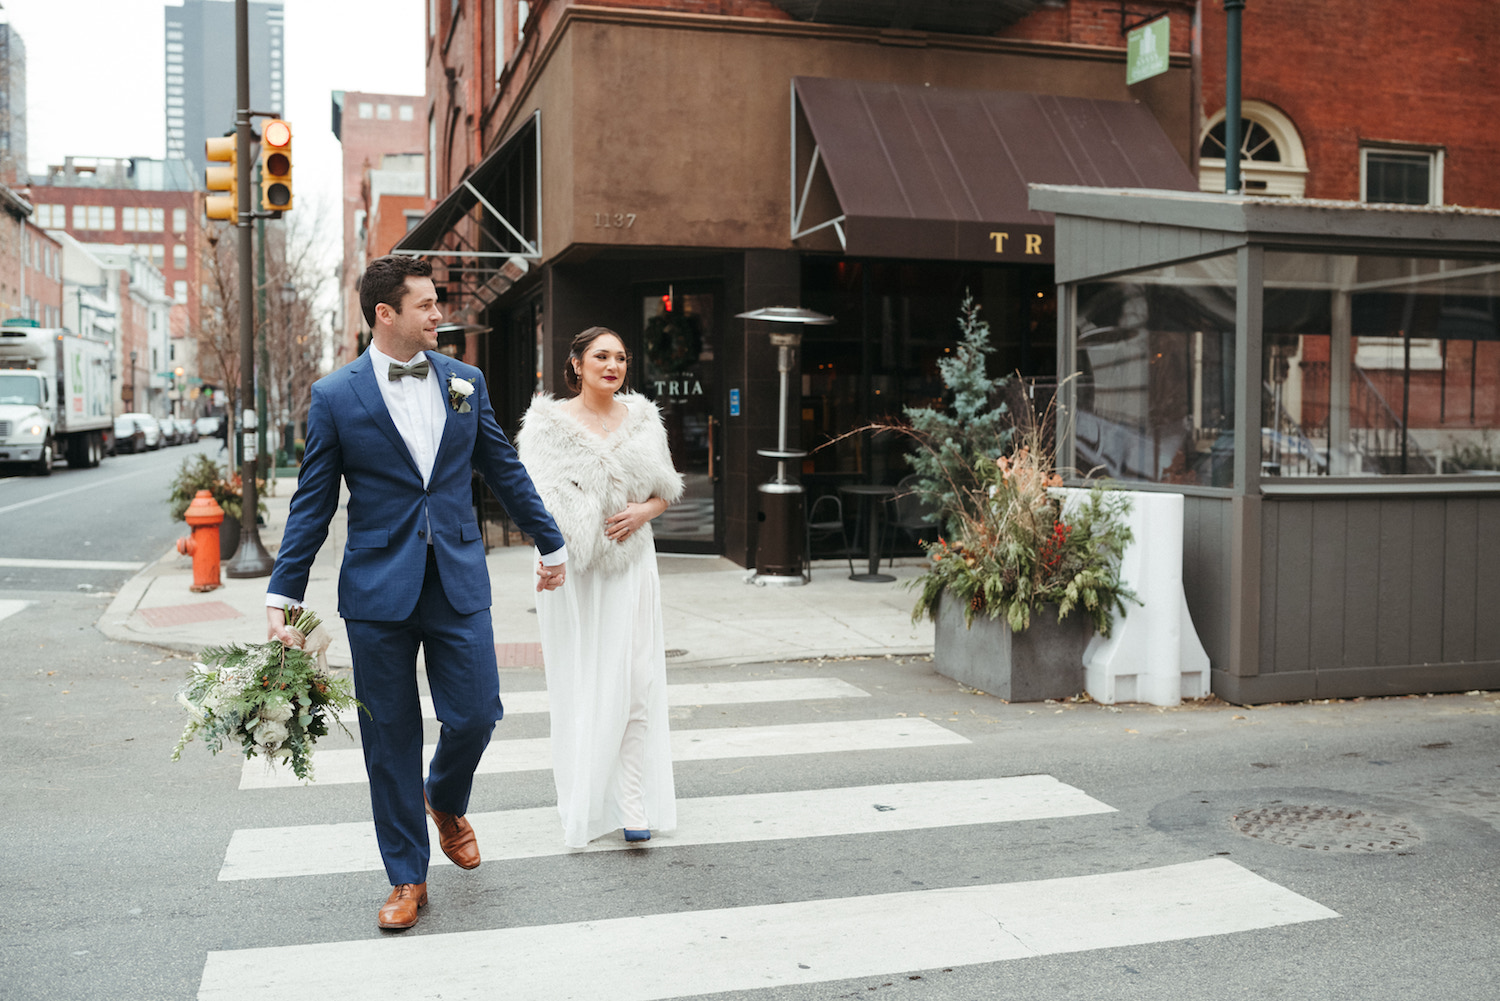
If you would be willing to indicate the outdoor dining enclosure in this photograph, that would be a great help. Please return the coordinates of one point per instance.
(1321, 381)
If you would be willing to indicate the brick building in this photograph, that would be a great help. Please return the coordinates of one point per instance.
(659, 167)
(1415, 130)
(148, 205)
(369, 127)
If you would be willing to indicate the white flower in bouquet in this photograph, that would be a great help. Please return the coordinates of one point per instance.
(271, 734)
(278, 711)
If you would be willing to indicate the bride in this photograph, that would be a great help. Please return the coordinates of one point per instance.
(601, 464)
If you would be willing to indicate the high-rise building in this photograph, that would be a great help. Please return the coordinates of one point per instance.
(12, 106)
(200, 65)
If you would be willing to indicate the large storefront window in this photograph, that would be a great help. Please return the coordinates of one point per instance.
(1410, 344)
(894, 321)
(1156, 382)
(677, 367)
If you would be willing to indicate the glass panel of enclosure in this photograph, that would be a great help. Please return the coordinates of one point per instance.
(1422, 373)
(1155, 389)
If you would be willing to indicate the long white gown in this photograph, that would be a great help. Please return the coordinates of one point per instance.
(611, 750)
(602, 638)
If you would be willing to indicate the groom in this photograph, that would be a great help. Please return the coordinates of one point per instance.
(402, 425)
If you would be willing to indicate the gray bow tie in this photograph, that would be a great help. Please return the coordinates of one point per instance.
(416, 368)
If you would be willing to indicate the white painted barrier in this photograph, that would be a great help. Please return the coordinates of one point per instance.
(1153, 653)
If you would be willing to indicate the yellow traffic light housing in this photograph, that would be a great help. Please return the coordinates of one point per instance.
(276, 166)
(223, 149)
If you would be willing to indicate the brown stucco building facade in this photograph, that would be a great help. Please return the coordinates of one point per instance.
(658, 169)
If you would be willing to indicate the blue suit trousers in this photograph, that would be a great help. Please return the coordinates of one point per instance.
(459, 651)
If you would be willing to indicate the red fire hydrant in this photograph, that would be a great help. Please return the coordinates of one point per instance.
(205, 516)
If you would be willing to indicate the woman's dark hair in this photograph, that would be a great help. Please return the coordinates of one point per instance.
(579, 346)
(384, 281)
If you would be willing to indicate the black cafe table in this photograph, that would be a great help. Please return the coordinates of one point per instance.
(868, 493)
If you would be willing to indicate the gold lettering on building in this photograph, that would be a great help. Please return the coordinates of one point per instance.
(1033, 243)
(999, 239)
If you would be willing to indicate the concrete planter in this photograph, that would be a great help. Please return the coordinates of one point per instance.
(1044, 662)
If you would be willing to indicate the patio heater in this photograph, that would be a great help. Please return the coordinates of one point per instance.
(779, 544)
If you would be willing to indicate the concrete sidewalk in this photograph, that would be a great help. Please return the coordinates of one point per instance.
(711, 614)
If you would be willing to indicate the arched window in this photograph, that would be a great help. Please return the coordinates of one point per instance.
(1272, 160)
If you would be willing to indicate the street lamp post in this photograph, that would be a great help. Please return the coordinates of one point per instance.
(1233, 9)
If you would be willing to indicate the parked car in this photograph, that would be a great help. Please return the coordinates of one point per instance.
(170, 434)
(130, 436)
(207, 426)
(187, 431)
(150, 426)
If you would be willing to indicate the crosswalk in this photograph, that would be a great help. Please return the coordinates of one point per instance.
(692, 952)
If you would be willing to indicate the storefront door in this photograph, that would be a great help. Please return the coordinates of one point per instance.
(676, 367)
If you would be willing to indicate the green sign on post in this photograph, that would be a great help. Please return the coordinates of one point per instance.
(1147, 51)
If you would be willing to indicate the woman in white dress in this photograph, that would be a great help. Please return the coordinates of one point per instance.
(601, 463)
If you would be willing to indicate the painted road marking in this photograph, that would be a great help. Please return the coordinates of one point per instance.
(534, 753)
(93, 485)
(721, 693)
(651, 957)
(7, 561)
(9, 607)
(311, 850)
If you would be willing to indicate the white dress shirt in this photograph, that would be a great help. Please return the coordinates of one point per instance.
(420, 413)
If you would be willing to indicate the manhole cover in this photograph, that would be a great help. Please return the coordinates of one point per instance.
(1327, 828)
(676, 653)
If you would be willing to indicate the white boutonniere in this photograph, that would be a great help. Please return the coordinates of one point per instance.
(459, 391)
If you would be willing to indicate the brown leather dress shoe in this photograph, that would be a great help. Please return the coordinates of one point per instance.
(456, 837)
(400, 910)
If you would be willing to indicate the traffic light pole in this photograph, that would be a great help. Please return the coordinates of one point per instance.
(251, 560)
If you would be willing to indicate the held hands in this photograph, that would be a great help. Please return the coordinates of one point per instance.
(619, 527)
(550, 578)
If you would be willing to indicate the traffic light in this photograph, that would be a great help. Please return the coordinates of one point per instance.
(276, 166)
(224, 149)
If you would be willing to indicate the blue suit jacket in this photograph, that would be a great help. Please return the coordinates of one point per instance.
(350, 435)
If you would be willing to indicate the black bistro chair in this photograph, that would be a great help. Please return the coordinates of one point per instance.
(907, 516)
(824, 518)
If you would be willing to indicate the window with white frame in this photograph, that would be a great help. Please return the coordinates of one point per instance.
(1272, 158)
(1401, 175)
(366, 109)
(127, 218)
(179, 255)
(502, 39)
(405, 113)
(383, 112)
(179, 291)
(179, 220)
(80, 217)
(158, 220)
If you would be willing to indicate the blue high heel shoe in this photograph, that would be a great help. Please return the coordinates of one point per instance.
(643, 834)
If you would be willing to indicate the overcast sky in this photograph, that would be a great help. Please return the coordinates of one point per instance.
(95, 87)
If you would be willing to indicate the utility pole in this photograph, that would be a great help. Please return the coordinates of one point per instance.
(251, 560)
(1233, 11)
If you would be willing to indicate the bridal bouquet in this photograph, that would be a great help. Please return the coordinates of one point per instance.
(276, 700)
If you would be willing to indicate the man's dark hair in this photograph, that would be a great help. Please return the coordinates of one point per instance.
(384, 281)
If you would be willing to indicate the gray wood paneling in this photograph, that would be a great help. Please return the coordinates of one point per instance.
(1270, 581)
(1330, 535)
(1292, 604)
(1487, 580)
(1393, 598)
(1425, 618)
(1362, 579)
(1460, 573)
(1205, 572)
(1089, 247)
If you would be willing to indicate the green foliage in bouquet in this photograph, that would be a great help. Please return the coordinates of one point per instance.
(273, 699)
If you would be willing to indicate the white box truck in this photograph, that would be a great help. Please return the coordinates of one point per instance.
(54, 397)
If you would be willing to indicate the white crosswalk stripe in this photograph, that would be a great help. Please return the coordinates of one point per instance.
(721, 693)
(9, 607)
(744, 948)
(534, 753)
(814, 813)
(690, 953)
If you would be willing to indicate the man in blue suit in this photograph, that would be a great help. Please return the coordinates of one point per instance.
(402, 425)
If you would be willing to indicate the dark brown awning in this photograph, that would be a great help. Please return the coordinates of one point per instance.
(938, 173)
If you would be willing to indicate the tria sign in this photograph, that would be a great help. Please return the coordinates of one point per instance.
(684, 384)
(1147, 50)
